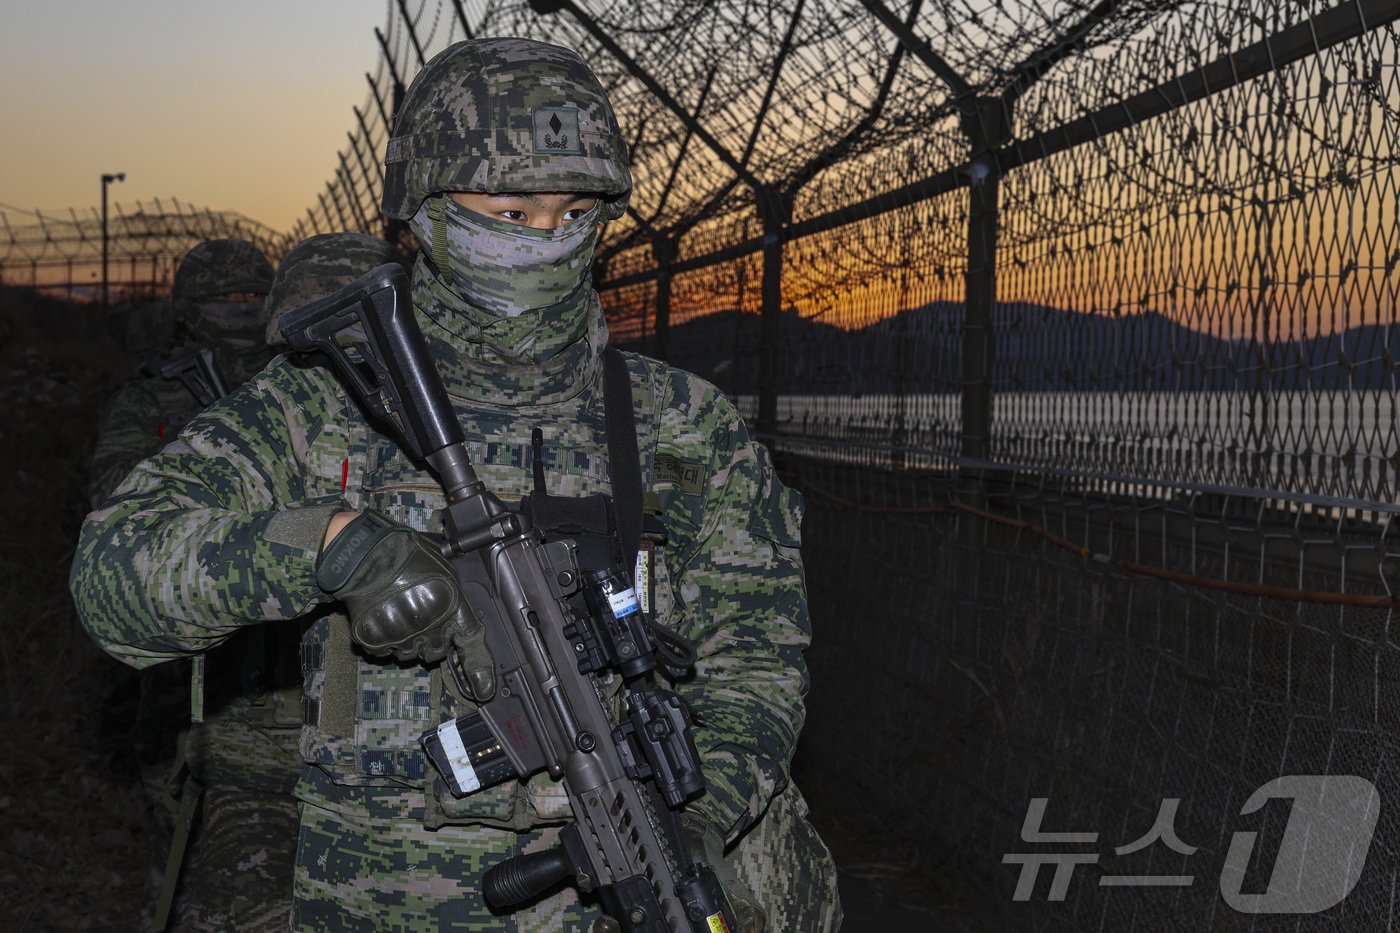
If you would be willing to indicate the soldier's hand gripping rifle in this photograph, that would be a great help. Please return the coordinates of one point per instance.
(626, 780)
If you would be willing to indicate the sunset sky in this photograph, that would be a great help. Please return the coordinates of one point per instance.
(228, 105)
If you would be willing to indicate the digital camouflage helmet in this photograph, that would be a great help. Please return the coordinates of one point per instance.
(221, 267)
(319, 265)
(505, 115)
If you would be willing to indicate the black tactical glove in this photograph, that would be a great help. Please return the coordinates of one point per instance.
(403, 598)
(707, 845)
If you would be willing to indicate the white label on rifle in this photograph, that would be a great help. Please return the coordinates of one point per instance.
(641, 577)
(623, 603)
(457, 757)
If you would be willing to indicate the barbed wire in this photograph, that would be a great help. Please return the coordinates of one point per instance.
(145, 242)
(1173, 165)
(1119, 276)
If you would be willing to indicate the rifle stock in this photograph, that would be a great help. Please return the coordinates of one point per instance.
(196, 369)
(625, 780)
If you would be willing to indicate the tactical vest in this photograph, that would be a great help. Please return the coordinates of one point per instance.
(363, 717)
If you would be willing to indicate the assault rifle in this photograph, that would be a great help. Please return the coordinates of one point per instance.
(553, 632)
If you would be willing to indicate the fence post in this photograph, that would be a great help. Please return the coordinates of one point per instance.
(379, 105)
(462, 18)
(899, 435)
(394, 230)
(353, 193)
(335, 200)
(663, 253)
(369, 176)
(412, 33)
(987, 128)
(775, 210)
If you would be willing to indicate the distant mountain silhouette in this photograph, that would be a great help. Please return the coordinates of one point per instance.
(1038, 348)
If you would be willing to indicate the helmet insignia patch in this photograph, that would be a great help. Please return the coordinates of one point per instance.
(556, 129)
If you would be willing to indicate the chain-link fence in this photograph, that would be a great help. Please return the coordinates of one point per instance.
(1077, 325)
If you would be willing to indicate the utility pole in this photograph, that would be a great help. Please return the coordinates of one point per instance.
(107, 179)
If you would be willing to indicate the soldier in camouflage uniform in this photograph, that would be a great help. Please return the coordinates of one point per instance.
(319, 265)
(216, 302)
(505, 161)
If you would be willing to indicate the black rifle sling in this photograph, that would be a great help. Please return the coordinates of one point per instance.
(625, 463)
(624, 459)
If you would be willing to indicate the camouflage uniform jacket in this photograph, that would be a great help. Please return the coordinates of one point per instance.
(138, 419)
(147, 412)
(222, 528)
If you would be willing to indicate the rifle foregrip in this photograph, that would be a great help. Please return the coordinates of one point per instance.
(519, 879)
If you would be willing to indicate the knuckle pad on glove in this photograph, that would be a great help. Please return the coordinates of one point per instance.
(409, 620)
(402, 596)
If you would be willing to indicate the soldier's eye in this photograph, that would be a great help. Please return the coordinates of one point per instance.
(514, 216)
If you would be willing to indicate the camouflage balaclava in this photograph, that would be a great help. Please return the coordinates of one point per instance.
(502, 267)
(232, 329)
(505, 116)
(522, 291)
